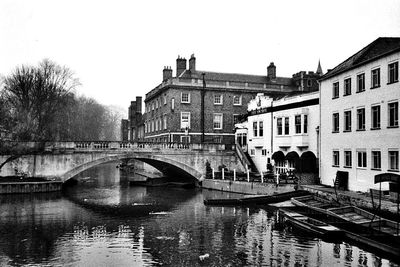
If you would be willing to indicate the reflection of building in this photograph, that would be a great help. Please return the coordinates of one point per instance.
(284, 133)
(186, 108)
(133, 128)
(359, 117)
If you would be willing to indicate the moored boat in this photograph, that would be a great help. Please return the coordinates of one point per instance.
(314, 226)
(257, 200)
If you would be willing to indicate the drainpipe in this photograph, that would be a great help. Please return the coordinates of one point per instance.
(202, 108)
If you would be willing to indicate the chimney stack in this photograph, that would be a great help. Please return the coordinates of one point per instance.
(167, 73)
(192, 63)
(139, 104)
(271, 71)
(180, 65)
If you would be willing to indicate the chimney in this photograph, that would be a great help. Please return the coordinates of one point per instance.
(271, 70)
(139, 104)
(192, 63)
(180, 65)
(167, 73)
(132, 109)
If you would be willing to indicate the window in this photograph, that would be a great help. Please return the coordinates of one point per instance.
(185, 120)
(217, 139)
(393, 72)
(393, 160)
(347, 121)
(157, 104)
(376, 160)
(335, 158)
(286, 126)
(152, 126)
(279, 126)
(264, 152)
(393, 114)
(375, 78)
(309, 83)
(218, 99)
(165, 122)
(254, 128)
(360, 119)
(185, 98)
(297, 124)
(335, 120)
(376, 117)
(235, 118)
(173, 103)
(260, 128)
(165, 99)
(305, 123)
(335, 90)
(252, 152)
(156, 125)
(347, 86)
(361, 159)
(361, 82)
(347, 159)
(152, 106)
(185, 139)
(237, 100)
(217, 123)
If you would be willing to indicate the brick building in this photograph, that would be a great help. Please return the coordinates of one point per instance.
(132, 129)
(195, 106)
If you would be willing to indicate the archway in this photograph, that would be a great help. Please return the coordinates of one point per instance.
(308, 162)
(279, 160)
(167, 166)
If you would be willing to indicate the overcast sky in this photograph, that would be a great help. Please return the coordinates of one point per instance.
(118, 48)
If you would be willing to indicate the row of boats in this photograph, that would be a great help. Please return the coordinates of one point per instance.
(330, 220)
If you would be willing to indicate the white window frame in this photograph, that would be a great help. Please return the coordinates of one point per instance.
(363, 154)
(220, 97)
(348, 153)
(374, 167)
(239, 97)
(264, 152)
(395, 114)
(347, 86)
(335, 158)
(378, 81)
(396, 152)
(395, 73)
(188, 98)
(335, 89)
(360, 115)
(378, 118)
(360, 81)
(185, 123)
(297, 124)
(221, 115)
(347, 121)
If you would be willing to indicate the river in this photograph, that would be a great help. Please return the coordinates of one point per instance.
(102, 221)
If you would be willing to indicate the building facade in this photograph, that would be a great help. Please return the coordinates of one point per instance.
(284, 133)
(360, 135)
(202, 106)
(132, 129)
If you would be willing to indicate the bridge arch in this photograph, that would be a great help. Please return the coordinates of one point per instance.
(166, 165)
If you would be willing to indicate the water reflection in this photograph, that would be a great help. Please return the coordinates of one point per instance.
(103, 223)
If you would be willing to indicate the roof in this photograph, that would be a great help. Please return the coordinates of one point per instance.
(236, 77)
(375, 50)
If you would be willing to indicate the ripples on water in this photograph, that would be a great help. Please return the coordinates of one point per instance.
(101, 222)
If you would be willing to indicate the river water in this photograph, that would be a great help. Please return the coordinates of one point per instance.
(102, 221)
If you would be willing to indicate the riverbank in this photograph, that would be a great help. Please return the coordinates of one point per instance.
(20, 185)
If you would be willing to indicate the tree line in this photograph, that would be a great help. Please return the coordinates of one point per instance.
(40, 103)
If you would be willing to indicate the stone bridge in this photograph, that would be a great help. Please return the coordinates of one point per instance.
(64, 160)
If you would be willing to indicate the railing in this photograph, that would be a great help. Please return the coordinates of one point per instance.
(123, 146)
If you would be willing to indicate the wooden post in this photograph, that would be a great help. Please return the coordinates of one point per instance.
(248, 174)
(262, 177)
(223, 173)
(234, 174)
(213, 173)
(277, 178)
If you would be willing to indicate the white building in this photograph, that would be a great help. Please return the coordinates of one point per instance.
(360, 135)
(284, 133)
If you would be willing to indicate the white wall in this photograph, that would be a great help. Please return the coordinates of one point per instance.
(360, 179)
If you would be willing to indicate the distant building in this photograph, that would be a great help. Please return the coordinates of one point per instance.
(196, 106)
(132, 129)
(284, 133)
(360, 135)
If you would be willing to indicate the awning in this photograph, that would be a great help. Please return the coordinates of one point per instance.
(387, 177)
(278, 156)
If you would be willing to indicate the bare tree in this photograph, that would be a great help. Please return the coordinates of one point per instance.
(35, 95)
